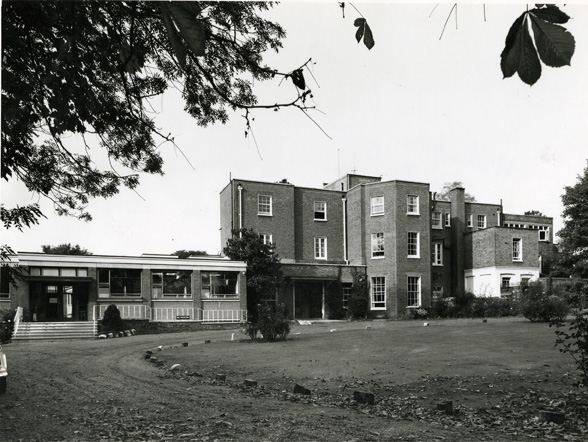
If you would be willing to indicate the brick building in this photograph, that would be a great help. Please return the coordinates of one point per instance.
(411, 247)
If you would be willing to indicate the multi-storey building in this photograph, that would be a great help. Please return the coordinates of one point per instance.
(412, 248)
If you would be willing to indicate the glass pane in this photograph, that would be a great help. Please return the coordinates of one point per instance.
(68, 272)
(49, 272)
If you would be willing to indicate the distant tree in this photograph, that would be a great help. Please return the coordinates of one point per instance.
(534, 213)
(443, 195)
(65, 249)
(264, 274)
(183, 254)
(573, 247)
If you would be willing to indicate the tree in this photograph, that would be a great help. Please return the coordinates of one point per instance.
(573, 247)
(183, 254)
(443, 195)
(65, 249)
(534, 213)
(264, 274)
(90, 68)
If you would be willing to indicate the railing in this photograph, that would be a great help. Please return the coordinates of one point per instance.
(175, 314)
(126, 311)
(224, 315)
(17, 320)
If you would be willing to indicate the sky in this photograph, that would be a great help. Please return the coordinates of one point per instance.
(416, 107)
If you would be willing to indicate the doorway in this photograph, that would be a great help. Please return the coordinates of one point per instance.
(59, 301)
(308, 300)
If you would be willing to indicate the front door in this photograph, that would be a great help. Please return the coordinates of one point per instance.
(61, 301)
(309, 300)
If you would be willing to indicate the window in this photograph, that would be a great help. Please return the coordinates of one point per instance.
(346, 294)
(4, 282)
(517, 249)
(377, 245)
(171, 283)
(447, 219)
(436, 220)
(377, 205)
(378, 293)
(413, 245)
(320, 211)
(481, 221)
(320, 248)
(266, 238)
(505, 282)
(470, 221)
(119, 282)
(264, 205)
(437, 292)
(437, 254)
(220, 284)
(543, 233)
(412, 205)
(414, 291)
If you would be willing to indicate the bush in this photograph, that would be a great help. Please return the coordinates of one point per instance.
(272, 323)
(6, 324)
(334, 301)
(469, 306)
(358, 306)
(111, 320)
(416, 313)
(541, 305)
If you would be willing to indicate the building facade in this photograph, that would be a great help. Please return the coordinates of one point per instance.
(54, 288)
(412, 248)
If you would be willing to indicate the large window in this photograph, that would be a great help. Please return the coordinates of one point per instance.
(4, 282)
(377, 205)
(70, 272)
(447, 219)
(470, 220)
(171, 283)
(517, 249)
(119, 282)
(320, 211)
(412, 205)
(220, 284)
(481, 221)
(320, 248)
(413, 245)
(378, 293)
(543, 233)
(437, 254)
(414, 291)
(436, 220)
(377, 245)
(264, 205)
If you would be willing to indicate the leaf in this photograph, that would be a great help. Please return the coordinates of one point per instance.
(551, 14)
(174, 38)
(511, 52)
(363, 30)
(298, 79)
(529, 68)
(554, 43)
(190, 28)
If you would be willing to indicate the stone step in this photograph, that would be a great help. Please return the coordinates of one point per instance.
(55, 330)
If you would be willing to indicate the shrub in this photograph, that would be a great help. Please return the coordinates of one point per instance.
(111, 321)
(540, 305)
(6, 324)
(334, 301)
(416, 313)
(272, 323)
(358, 305)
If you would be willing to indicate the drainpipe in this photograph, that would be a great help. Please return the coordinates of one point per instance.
(344, 200)
(240, 189)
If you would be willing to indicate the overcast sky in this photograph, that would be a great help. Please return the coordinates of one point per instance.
(413, 108)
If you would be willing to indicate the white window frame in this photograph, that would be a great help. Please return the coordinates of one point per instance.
(317, 209)
(447, 219)
(437, 220)
(346, 292)
(264, 204)
(481, 225)
(544, 234)
(418, 245)
(437, 254)
(378, 245)
(517, 249)
(267, 238)
(418, 290)
(377, 205)
(320, 247)
(412, 205)
(378, 289)
(470, 220)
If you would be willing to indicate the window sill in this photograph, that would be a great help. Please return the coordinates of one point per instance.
(437, 265)
(413, 213)
(264, 214)
(320, 220)
(378, 257)
(378, 308)
(437, 227)
(376, 214)
(413, 257)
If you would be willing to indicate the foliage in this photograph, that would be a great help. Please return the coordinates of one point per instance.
(443, 195)
(541, 304)
(470, 306)
(334, 301)
(574, 339)
(554, 45)
(264, 274)
(111, 321)
(534, 213)
(65, 249)
(358, 306)
(573, 247)
(272, 323)
(183, 254)
(6, 324)
(91, 68)
(416, 313)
